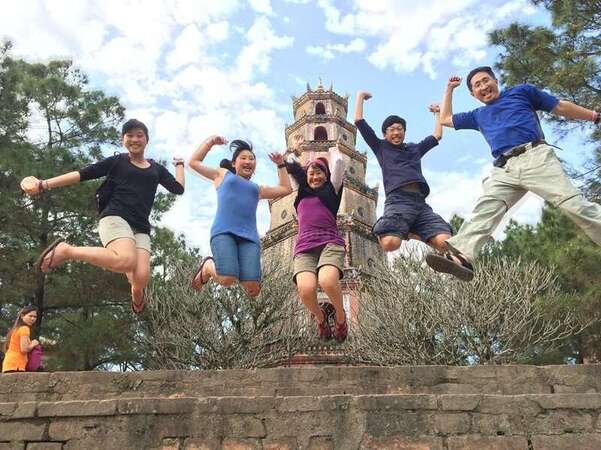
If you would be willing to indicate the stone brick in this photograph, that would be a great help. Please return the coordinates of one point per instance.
(22, 431)
(25, 410)
(201, 444)
(74, 427)
(240, 425)
(77, 408)
(170, 444)
(491, 424)
(459, 402)
(44, 446)
(568, 441)
(380, 424)
(156, 406)
(280, 444)
(562, 421)
(318, 423)
(500, 404)
(321, 443)
(241, 444)
(488, 443)
(569, 401)
(396, 402)
(12, 445)
(6, 409)
(446, 424)
(401, 443)
(294, 404)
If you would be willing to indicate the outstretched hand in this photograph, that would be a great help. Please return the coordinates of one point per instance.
(30, 185)
(454, 81)
(434, 108)
(277, 158)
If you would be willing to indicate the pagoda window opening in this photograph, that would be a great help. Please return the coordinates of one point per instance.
(320, 108)
(320, 134)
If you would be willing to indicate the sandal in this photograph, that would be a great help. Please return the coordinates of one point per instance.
(194, 284)
(48, 250)
(341, 331)
(138, 307)
(324, 330)
(446, 264)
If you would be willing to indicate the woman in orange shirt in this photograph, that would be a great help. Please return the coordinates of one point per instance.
(18, 344)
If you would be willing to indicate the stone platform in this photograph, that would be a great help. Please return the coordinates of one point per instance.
(423, 407)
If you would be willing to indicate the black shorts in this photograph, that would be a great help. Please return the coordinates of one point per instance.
(407, 212)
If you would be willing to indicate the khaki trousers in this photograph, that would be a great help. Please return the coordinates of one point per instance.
(539, 171)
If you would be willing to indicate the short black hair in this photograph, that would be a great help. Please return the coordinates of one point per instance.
(391, 120)
(473, 72)
(134, 124)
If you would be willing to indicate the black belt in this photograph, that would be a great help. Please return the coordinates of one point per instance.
(515, 151)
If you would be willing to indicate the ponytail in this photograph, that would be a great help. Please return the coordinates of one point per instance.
(236, 146)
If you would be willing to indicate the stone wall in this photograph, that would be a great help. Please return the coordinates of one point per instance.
(505, 407)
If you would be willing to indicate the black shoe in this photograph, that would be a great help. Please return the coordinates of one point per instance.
(446, 264)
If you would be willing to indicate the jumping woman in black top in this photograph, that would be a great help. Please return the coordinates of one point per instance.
(123, 227)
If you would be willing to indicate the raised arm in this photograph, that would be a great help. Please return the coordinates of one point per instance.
(195, 161)
(33, 185)
(336, 168)
(361, 97)
(283, 188)
(571, 110)
(179, 171)
(446, 107)
(435, 109)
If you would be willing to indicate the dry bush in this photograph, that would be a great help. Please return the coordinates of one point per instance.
(410, 314)
(222, 327)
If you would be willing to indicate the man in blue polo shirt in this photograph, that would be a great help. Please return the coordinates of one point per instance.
(523, 162)
(406, 213)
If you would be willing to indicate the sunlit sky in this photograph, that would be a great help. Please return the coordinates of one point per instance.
(190, 69)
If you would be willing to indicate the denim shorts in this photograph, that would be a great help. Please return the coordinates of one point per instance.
(236, 257)
(407, 212)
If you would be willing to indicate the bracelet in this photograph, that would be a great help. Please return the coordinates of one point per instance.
(41, 186)
(281, 166)
(596, 117)
(179, 163)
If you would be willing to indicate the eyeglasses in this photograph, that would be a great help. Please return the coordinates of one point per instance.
(395, 128)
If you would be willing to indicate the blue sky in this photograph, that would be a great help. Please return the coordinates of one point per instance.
(190, 69)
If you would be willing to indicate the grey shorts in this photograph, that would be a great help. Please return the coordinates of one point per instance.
(312, 261)
(115, 227)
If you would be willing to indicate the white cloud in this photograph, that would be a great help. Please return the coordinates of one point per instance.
(261, 6)
(411, 36)
(329, 51)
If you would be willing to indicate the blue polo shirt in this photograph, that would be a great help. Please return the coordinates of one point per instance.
(401, 164)
(511, 119)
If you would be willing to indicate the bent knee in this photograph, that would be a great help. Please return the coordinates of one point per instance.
(390, 243)
(126, 263)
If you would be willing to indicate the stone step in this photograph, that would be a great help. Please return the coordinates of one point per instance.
(399, 421)
(303, 381)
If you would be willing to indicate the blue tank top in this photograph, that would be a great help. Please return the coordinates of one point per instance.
(237, 200)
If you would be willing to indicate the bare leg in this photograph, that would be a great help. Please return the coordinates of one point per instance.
(329, 280)
(208, 272)
(140, 276)
(306, 283)
(119, 256)
(252, 288)
(439, 242)
(390, 243)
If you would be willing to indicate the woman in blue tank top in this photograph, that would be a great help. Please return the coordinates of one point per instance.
(235, 242)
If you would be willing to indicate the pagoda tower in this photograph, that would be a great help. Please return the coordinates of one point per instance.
(320, 119)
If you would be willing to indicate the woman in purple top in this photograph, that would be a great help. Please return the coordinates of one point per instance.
(235, 241)
(319, 250)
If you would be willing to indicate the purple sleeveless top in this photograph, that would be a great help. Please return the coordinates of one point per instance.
(316, 226)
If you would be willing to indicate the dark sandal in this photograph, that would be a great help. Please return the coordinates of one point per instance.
(48, 250)
(138, 307)
(324, 330)
(446, 264)
(341, 331)
(196, 286)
